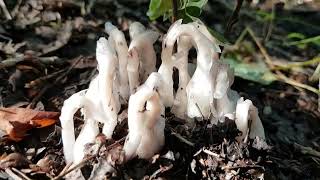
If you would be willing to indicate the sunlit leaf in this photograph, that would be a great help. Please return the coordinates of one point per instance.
(295, 35)
(256, 71)
(197, 3)
(159, 8)
(187, 9)
(17, 121)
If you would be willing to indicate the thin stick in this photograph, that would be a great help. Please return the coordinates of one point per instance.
(270, 27)
(280, 76)
(234, 17)
(174, 10)
(177, 135)
(161, 170)
(45, 88)
(232, 20)
(85, 160)
(304, 41)
(21, 173)
(5, 10)
(246, 167)
(211, 153)
(298, 64)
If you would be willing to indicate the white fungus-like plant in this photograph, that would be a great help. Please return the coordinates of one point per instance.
(247, 120)
(118, 41)
(142, 41)
(97, 104)
(128, 75)
(200, 87)
(146, 126)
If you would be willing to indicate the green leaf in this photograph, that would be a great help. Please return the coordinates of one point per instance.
(159, 8)
(264, 16)
(257, 71)
(296, 35)
(187, 9)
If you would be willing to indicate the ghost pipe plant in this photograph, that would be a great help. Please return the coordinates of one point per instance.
(135, 29)
(97, 104)
(118, 41)
(133, 70)
(185, 43)
(200, 87)
(166, 70)
(146, 126)
(142, 41)
(179, 107)
(206, 93)
(247, 120)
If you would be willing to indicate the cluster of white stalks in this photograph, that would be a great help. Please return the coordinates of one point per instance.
(128, 75)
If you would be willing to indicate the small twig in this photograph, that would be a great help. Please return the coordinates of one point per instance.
(174, 10)
(44, 89)
(200, 111)
(12, 174)
(298, 64)
(40, 80)
(233, 18)
(65, 168)
(307, 150)
(85, 160)
(245, 167)
(270, 27)
(279, 75)
(161, 170)
(316, 75)
(177, 135)
(21, 173)
(5, 10)
(304, 41)
(211, 153)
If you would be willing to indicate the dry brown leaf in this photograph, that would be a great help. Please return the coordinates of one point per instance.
(17, 121)
(13, 160)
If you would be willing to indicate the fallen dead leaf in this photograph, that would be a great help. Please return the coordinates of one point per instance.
(17, 121)
(13, 160)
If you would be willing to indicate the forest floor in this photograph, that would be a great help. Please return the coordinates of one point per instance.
(47, 53)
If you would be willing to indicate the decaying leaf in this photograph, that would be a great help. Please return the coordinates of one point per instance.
(254, 71)
(17, 121)
(13, 160)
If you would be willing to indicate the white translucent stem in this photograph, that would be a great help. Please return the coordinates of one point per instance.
(106, 60)
(245, 112)
(135, 29)
(144, 45)
(133, 70)
(146, 127)
(118, 39)
(87, 135)
(69, 108)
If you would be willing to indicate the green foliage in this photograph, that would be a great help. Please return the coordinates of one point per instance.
(301, 41)
(264, 16)
(254, 71)
(159, 8)
(187, 9)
